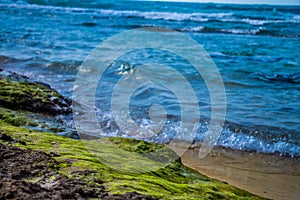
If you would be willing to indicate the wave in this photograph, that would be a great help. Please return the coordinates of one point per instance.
(109, 3)
(167, 16)
(260, 22)
(270, 140)
(205, 29)
(243, 7)
(242, 141)
(257, 31)
(6, 59)
(70, 66)
(285, 78)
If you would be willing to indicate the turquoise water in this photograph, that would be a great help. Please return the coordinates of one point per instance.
(256, 49)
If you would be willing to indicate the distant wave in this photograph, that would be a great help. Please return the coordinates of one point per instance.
(290, 78)
(220, 30)
(168, 16)
(126, 13)
(269, 8)
(206, 29)
(259, 22)
(219, 21)
(107, 3)
(255, 31)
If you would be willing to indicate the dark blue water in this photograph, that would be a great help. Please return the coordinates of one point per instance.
(255, 47)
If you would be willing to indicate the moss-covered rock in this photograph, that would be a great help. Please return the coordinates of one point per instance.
(33, 97)
(75, 161)
(31, 174)
(33, 105)
(16, 118)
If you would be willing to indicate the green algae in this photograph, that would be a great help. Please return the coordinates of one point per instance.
(134, 145)
(34, 121)
(32, 97)
(16, 118)
(173, 181)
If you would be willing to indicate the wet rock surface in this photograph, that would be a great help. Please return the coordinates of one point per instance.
(129, 196)
(18, 92)
(26, 174)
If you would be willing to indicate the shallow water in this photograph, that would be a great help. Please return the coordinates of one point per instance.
(256, 49)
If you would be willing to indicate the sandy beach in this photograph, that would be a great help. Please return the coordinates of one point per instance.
(266, 175)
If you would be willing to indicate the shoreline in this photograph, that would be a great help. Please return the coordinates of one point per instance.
(266, 175)
(37, 164)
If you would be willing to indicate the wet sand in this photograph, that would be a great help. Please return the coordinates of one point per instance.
(266, 175)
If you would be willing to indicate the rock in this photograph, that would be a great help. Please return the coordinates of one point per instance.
(129, 196)
(33, 97)
(6, 137)
(17, 166)
(22, 142)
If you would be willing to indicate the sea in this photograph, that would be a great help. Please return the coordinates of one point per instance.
(254, 47)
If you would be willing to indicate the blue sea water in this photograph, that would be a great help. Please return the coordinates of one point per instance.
(255, 47)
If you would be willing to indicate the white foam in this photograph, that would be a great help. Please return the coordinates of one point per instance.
(200, 17)
(242, 141)
(228, 138)
(172, 16)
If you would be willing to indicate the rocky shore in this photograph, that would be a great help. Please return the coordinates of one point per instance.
(43, 165)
